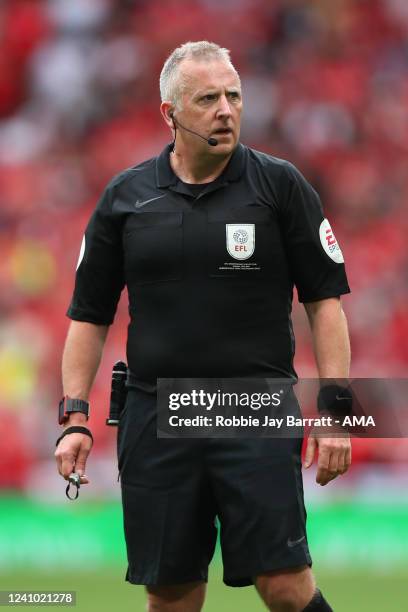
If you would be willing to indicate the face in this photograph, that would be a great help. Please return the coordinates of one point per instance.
(211, 105)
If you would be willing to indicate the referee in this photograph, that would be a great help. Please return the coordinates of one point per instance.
(210, 238)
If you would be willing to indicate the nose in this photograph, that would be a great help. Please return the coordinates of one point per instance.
(224, 109)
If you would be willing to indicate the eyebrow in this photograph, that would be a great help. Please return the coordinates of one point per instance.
(213, 90)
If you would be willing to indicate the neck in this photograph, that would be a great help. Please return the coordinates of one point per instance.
(197, 169)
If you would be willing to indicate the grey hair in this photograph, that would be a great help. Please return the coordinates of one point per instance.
(171, 85)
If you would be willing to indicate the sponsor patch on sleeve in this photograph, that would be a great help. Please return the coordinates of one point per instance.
(329, 242)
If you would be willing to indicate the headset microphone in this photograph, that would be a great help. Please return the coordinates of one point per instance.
(211, 141)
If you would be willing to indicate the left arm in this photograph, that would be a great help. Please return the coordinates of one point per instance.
(331, 347)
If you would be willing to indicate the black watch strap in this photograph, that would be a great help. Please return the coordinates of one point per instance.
(68, 405)
(75, 429)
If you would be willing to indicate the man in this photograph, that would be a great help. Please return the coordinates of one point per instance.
(200, 308)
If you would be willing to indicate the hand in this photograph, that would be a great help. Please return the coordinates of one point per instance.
(71, 455)
(334, 456)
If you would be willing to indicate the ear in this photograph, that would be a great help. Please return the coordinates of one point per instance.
(167, 110)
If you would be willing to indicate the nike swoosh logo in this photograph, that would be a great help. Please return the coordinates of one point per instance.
(342, 398)
(292, 543)
(139, 204)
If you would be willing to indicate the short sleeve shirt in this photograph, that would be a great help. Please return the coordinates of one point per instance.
(210, 272)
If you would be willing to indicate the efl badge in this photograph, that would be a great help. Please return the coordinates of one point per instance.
(329, 242)
(240, 240)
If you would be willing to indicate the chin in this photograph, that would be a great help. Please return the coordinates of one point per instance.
(223, 148)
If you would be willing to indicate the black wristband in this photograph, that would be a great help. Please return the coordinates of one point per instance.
(75, 429)
(335, 400)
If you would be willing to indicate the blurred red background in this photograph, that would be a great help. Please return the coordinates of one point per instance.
(325, 85)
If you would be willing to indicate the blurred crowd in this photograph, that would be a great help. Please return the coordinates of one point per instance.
(325, 85)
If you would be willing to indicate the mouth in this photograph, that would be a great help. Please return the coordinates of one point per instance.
(223, 131)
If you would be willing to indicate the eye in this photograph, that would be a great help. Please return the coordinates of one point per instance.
(208, 97)
(234, 94)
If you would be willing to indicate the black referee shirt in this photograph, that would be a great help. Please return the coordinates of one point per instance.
(209, 270)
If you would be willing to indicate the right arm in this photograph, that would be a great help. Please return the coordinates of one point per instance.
(81, 358)
(98, 284)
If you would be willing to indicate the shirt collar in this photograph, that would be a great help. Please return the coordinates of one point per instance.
(165, 176)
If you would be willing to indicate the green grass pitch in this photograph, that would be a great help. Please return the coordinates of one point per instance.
(103, 591)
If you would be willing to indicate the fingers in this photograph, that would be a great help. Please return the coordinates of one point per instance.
(65, 461)
(348, 456)
(334, 459)
(83, 479)
(344, 460)
(342, 466)
(323, 475)
(80, 464)
(67, 465)
(71, 455)
(310, 452)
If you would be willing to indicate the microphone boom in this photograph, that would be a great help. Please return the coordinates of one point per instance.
(211, 141)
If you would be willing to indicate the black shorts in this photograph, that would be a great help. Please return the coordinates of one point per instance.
(173, 490)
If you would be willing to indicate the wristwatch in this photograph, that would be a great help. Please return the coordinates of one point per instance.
(68, 405)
